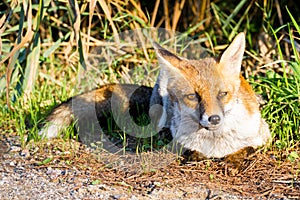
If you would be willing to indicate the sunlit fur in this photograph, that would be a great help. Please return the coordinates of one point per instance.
(221, 92)
(190, 91)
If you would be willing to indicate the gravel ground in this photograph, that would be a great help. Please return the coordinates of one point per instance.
(21, 180)
(22, 176)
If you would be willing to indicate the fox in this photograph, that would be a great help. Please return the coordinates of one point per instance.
(206, 104)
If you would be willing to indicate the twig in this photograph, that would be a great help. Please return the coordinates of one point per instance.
(154, 14)
(167, 17)
(286, 182)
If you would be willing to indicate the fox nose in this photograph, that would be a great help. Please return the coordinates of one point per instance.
(214, 119)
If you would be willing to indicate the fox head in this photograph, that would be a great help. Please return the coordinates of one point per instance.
(203, 91)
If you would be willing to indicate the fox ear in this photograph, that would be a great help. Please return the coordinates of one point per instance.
(165, 57)
(231, 59)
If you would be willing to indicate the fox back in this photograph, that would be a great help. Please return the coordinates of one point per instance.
(207, 104)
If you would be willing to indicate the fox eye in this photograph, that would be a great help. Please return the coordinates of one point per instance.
(191, 97)
(222, 94)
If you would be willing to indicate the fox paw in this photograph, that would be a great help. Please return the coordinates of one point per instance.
(239, 161)
(191, 155)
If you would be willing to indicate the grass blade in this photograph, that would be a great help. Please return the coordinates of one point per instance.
(32, 64)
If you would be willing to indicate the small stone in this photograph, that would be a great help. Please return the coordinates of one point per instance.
(157, 184)
(25, 153)
(15, 149)
(116, 196)
(81, 191)
(12, 164)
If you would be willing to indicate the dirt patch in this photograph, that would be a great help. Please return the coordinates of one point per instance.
(68, 169)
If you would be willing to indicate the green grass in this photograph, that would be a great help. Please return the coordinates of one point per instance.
(281, 90)
(47, 63)
(282, 108)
